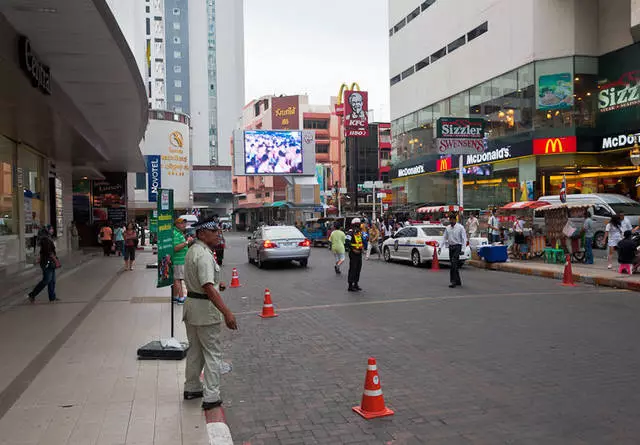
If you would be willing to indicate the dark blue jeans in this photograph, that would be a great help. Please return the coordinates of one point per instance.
(48, 281)
(588, 250)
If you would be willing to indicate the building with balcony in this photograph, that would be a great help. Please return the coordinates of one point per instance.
(555, 81)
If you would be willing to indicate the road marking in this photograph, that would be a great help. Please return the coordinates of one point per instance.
(418, 299)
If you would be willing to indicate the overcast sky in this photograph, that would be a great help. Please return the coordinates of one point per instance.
(312, 47)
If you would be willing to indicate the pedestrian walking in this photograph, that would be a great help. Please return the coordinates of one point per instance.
(374, 238)
(354, 245)
(130, 245)
(589, 233)
(455, 238)
(613, 235)
(337, 240)
(106, 237)
(204, 312)
(118, 234)
(48, 261)
(472, 226)
(180, 248)
(494, 228)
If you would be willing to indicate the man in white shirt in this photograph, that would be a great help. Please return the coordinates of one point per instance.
(494, 228)
(455, 238)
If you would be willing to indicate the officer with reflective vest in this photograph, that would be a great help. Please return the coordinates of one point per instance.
(354, 245)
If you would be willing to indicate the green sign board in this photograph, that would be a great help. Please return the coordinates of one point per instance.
(461, 128)
(153, 221)
(165, 237)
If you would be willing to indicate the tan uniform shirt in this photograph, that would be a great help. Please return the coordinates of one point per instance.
(200, 269)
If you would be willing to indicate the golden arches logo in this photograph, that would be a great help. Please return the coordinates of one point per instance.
(175, 139)
(553, 144)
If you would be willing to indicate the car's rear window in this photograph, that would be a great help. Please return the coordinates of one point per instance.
(433, 231)
(283, 232)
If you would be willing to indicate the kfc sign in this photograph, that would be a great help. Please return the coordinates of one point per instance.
(555, 145)
(356, 118)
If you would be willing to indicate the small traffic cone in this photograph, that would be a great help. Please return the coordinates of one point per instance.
(567, 276)
(267, 307)
(435, 264)
(372, 405)
(235, 281)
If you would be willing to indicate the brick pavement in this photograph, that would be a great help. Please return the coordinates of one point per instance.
(506, 359)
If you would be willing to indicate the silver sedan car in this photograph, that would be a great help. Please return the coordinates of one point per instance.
(278, 243)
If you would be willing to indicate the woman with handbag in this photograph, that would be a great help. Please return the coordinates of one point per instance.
(48, 263)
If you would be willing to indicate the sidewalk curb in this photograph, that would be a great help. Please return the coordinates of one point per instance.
(578, 277)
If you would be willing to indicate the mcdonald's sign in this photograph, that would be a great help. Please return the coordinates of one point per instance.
(551, 146)
(444, 164)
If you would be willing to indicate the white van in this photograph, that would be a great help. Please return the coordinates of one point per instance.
(603, 207)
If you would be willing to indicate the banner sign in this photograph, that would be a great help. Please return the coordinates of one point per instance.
(165, 237)
(356, 117)
(460, 128)
(555, 145)
(460, 146)
(154, 176)
(285, 113)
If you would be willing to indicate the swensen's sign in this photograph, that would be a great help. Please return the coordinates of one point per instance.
(34, 68)
(411, 171)
(555, 145)
(623, 93)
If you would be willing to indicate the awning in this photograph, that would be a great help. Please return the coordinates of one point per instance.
(519, 205)
(439, 209)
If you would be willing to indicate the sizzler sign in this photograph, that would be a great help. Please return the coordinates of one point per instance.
(460, 128)
(620, 94)
(411, 171)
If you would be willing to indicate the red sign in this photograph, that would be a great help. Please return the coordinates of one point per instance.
(356, 115)
(285, 113)
(555, 145)
(444, 164)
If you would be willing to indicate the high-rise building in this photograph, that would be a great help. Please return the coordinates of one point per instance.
(555, 80)
(191, 57)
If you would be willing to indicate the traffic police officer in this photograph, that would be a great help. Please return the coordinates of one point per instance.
(204, 312)
(354, 245)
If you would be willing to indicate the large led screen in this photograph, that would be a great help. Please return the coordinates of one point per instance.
(273, 152)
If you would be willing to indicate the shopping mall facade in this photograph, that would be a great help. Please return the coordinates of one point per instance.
(558, 83)
(72, 113)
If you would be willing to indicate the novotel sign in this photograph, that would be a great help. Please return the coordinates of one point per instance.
(38, 72)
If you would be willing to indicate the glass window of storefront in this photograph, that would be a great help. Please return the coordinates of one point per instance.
(9, 233)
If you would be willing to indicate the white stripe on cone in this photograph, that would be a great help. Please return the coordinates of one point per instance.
(219, 434)
(372, 392)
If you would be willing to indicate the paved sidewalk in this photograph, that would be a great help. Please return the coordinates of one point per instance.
(596, 274)
(72, 369)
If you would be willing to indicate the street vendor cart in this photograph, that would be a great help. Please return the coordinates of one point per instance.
(535, 241)
(563, 230)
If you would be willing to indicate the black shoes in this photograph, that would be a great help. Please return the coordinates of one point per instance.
(211, 405)
(190, 395)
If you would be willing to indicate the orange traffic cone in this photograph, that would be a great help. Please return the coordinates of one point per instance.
(372, 404)
(267, 307)
(435, 264)
(235, 281)
(567, 276)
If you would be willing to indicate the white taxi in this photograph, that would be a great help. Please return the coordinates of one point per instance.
(417, 243)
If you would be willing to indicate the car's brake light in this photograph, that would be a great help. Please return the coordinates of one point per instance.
(305, 243)
(269, 244)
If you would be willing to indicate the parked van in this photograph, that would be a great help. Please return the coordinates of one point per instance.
(602, 206)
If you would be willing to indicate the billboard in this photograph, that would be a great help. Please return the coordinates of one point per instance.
(167, 152)
(356, 116)
(285, 113)
(274, 153)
